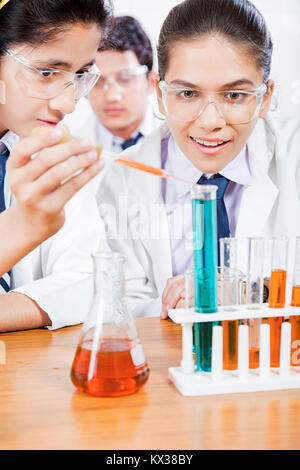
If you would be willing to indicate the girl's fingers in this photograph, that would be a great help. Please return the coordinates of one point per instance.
(50, 157)
(58, 174)
(174, 295)
(62, 195)
(25, 148)
(170, 284)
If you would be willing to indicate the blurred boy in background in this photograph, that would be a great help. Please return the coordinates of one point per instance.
(120, 113)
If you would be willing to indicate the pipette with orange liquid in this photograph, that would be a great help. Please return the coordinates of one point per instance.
(122, 160)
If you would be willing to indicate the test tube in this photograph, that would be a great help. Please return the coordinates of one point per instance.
(277, 293)
(295, 320)
(229, 289)
(205, 268)
(254, 295)
(278, 274)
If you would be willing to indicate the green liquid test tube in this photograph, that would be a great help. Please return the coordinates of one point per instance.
(205, 268)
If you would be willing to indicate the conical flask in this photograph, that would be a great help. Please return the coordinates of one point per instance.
(109, 359)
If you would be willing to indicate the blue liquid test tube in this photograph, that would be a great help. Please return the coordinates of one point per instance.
(205, 268)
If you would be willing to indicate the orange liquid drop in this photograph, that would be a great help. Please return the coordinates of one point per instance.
(115, 373)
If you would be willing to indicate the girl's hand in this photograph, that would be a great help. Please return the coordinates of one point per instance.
(174, 295)
(44, 183)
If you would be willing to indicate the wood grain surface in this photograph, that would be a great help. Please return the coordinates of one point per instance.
(41, 409)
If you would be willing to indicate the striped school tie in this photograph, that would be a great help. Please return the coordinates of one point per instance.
(131, 142)
(4, 154)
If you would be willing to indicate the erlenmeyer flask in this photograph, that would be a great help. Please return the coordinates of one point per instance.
(109, 359)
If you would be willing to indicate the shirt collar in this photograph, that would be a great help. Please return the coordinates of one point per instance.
(10, 139)
(238, 170)
(145, 128)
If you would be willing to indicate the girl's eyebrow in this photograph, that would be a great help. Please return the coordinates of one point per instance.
(236, 83)
(56, 63)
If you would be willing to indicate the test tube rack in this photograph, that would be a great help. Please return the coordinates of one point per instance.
(195, 383)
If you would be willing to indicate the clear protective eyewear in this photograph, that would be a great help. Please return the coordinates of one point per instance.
(47, 82)
(234, 106)
(123, 79)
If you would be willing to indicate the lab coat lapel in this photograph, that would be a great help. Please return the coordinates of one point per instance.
(258, 199)
(147, 189)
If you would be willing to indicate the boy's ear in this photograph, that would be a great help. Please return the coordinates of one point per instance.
(267, 99)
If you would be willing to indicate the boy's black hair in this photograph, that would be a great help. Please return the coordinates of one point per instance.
(127, 34)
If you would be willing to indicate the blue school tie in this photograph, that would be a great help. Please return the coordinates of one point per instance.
(4, 154)
(130, 142)
(222, 217)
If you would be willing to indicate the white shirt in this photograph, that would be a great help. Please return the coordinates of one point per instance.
(57, 275)
(112, 143)
(176, 196)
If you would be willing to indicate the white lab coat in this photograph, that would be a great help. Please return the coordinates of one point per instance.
(270, 206)
(58, 274)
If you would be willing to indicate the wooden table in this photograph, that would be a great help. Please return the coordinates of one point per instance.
(40, 409)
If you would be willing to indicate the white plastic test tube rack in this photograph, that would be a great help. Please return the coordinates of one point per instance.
(193, 383)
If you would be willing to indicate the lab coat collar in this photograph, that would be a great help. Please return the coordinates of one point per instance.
(258, 199)
(147, 187)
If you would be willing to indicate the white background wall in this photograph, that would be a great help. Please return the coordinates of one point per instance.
(283, 18)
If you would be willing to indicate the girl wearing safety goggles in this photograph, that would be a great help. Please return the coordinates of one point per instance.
(215, 91)
(47, 62)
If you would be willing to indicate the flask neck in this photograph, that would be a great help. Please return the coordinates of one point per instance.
(109, 275)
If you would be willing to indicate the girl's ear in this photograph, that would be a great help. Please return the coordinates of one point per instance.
(159, 96)
(152, 77)
(267, 99)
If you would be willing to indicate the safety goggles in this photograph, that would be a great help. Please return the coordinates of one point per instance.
(123, 79)
(234, 106)
(47, 82)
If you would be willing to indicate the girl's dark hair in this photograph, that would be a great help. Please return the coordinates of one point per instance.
(38, 21)
(236, 20)
(127, 34)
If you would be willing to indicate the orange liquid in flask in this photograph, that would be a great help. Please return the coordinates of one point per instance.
(120, 368)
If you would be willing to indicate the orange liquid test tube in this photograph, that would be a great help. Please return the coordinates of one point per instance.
(277, 294)
(229, 279)
(295, 320)
(254, 295)
(230, 344)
